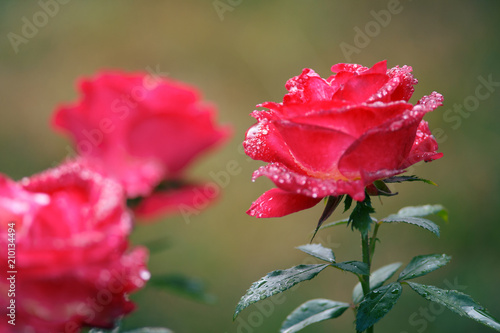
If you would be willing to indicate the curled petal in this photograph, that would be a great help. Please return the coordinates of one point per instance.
(346, 72)
(381, 148)
(264, 142)
(307, 87)
(277, 203)
(355, 120)
(290, 181)
(398, 88)
(429, 103)
(424, 147)
(351, 68)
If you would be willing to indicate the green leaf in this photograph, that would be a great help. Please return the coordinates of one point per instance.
(422, 265)
(457, 302)
(100, 330)
(414, 214)
(277, 282)
(318, 251)
(139, 330)
(400, 179)
(418, 221)
(421, 211)
(376, 305)
(311, 312)
(333, 224)
(115, 329)
(377, 279)
(356, 267)
(360, 216)
(151, 330)
(182, 285)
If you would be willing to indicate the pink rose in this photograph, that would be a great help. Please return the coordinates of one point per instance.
(142, 131)
(73, 267)
(337, 136)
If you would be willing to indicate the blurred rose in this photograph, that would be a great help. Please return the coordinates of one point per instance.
(144, 132)
(337, 136)
(72, 263)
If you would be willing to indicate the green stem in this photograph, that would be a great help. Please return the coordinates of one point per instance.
(365, 283)
(373, 240)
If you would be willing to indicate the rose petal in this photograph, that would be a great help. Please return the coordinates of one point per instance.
(387, 146)
(403, 80)
(264, 142)
(175, 139)
(290, 181)
(307, 87)
(277, 203)
(381, 148)
(398, 88)
(352, 68)
(361, 87)
(424, 147)
(190, 198)
(378, 68)
(355, 120)
(138, 176)
(429, 103)
(316, 149)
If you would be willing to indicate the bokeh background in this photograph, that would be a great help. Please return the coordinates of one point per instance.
(239, 55)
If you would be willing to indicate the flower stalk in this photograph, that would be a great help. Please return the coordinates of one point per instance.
(367, 256)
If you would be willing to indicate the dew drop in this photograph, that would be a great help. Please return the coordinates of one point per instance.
(145, 275)
(252, 132)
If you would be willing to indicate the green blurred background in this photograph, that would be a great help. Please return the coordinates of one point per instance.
(240, 56)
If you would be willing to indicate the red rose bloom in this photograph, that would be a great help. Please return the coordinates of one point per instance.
(141, 131)
(337, 136)
(71, 230)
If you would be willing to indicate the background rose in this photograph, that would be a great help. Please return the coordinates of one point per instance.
(71, 241)
(142, 131)
(336, 136)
